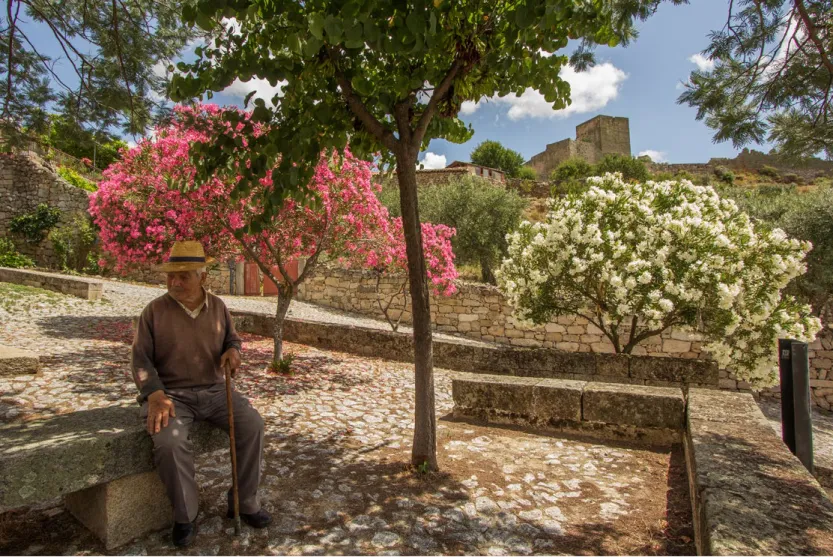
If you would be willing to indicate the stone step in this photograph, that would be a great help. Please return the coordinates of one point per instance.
(16, 361)
(592, 406)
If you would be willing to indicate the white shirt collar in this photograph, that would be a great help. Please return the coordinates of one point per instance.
(193, 314)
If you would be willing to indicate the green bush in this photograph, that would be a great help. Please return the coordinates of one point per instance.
(569, 187)
(805, 216)
(34, 226)
(76, 179)
(724, 175)
(792, 178)
(572, 169)
(632, 169)
(482, 212)
(9, 256)
(769, 171)
(527, 173)
(73, 242)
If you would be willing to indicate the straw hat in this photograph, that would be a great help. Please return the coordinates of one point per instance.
(185, 256)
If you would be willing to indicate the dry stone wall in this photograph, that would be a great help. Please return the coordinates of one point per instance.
(481, 312)
(216, 282)
(26, 182)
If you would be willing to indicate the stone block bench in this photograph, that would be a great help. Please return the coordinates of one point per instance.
(750, 494)
(100, 462)
(15, 361)
(652, 414)
(89, 289)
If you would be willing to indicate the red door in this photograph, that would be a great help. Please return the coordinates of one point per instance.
(269, 287)
(251, 279)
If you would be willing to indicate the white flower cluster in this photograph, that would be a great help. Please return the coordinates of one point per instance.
(670, 254)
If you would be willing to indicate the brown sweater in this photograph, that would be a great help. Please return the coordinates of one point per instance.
(173, 350)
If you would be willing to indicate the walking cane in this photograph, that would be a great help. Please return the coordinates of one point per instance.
(227, 369)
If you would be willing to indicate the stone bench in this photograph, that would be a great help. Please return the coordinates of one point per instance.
(100, 462)
(750, 494)
(89, 289)
(655, 414)
(15, 361)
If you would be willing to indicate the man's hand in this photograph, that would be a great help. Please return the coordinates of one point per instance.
(232, 358)
(160, 407)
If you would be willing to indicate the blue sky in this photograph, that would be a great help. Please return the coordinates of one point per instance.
(640, 82)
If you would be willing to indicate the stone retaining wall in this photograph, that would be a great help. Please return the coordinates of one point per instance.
(480, 312)
(651, 414)
(217, 280)
(24, 183)
(750, 495)
(478, 357)
(86, 288)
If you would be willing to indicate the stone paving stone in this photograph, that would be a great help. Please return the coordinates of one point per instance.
(336, 474)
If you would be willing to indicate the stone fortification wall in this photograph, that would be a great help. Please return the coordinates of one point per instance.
(26, 182)
(556, 153)
(609, 135)
(480, 312)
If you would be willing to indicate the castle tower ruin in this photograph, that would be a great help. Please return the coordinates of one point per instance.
(595, 138)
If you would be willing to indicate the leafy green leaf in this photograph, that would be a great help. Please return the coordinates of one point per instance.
(416, 23)
(316, 25)
(334, 29)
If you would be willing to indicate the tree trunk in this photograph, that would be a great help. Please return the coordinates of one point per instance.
(425, 421)
(285, 296)
(486, 273)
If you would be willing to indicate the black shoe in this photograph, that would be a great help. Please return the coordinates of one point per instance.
(260, 519)
(184, 534)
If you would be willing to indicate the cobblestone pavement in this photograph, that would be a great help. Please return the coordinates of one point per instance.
(336, 475)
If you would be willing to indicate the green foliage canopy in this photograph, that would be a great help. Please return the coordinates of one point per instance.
(388, 76)
(772, 78)
(805, 216)
(110, 47)
(482, 212)
(494, 155)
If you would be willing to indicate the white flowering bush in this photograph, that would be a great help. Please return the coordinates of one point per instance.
(636, 259)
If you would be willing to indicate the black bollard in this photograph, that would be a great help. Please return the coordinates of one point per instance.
(801, 404)
(785, 367)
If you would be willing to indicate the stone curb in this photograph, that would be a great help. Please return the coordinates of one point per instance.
(750, 495)
(89, 289)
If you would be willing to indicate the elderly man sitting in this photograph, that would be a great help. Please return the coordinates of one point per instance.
(183, 340)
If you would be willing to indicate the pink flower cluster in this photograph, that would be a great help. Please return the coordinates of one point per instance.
(150, 199)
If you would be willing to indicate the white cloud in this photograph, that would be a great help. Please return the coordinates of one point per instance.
(656, 156)
(703, 64)
(468, 107)
(433, 161)
(589, 91)
(263, 90)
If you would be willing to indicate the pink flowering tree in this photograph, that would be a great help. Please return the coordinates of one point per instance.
(150, 199)
(387, 257)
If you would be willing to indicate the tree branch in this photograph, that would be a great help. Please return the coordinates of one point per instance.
(439, 94)
(356, 105)
(121, 63)
(9, 79)
(812, 32)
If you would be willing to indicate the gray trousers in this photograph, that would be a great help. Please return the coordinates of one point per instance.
(173, 453)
